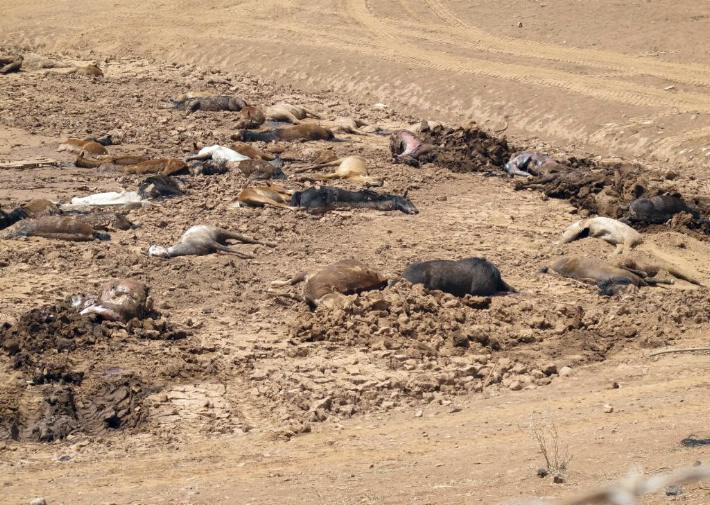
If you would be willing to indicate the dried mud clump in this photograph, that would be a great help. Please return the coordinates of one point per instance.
(56, 330)
(397, 318)
(110, 405)
(601, 189)
(57, 416)
(58, 352)
(115, 403)
(468, 149)
(379, 350)
(405, 347)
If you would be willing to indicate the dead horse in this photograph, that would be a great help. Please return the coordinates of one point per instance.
(120, 300)
(607, 277)
(326, 198)
(345, 277)
(302, 132)
(470, 276)
(74, 229)
(200, 240)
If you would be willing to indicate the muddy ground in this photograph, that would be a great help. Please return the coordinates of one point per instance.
(226, 358)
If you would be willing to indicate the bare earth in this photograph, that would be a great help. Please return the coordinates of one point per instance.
(384, 407)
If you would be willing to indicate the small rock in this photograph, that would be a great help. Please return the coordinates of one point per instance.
(674, 491)
(615, 385)
(38, 501)
(454, 408)
(324, 403)
(542, 472)
(608, 409)
(419, 413)
(537, 374)
(504, 364)
(544, 381)
(549, 369)
(565, 371)
(558, 479)
(516, 385)
(519, 368)
(520, 24)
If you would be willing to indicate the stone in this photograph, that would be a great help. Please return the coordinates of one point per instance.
(515, 385)
(565, 371)
(608, 409)
(519, 368)
(549, 369)
(504, 364)
(674, 491)
(38, 501)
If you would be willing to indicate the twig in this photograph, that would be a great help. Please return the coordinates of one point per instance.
(673, 351)
(486, 382)
(502, 129)
(547, 436)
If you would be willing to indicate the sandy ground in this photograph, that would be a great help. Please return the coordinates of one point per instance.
(247, 410)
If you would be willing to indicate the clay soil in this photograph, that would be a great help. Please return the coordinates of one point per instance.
(230, 393)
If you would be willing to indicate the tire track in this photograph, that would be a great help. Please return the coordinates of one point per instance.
(604, 89)
(675, 141)
(407, 7)
(442, 13)
(692, 74)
